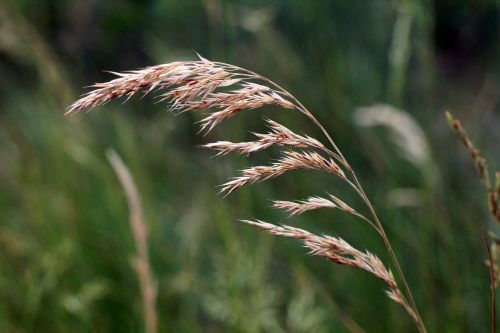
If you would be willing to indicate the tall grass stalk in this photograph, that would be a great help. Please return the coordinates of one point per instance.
(493, 199)
(139, 230)
(228, 90)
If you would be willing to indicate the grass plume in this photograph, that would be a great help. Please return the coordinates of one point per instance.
(227, 90)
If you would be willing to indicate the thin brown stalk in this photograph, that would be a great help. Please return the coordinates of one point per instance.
(138, 226)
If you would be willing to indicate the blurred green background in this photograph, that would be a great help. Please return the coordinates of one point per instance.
(65, 242)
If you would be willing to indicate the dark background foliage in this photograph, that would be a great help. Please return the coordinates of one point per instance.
(65, 245)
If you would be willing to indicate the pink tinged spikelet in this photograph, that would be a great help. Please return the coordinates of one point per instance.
(342, 205)
(290, 161)
(250, 176)
(226, 147)
(251, 96)
(311, 203)
(279, 135)
(341, 252)
(283, 133)
(312, 160)
(129, 83)
(299, 207)
(193, 85)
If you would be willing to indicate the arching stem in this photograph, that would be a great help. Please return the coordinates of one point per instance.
(357, 186)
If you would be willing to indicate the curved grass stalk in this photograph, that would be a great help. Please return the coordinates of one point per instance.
(357, 186)
(229, 89)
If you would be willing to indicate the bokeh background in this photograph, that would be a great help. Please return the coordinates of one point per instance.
(65, 241)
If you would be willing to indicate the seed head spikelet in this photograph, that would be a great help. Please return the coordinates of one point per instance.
(340, 252)
(278, 135)
(299, 207)
(290, 160)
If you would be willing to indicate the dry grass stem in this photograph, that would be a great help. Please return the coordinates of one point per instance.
(225, 90)
(138, 226)
(493, 195)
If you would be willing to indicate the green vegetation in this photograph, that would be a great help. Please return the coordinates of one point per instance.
(65, 241)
